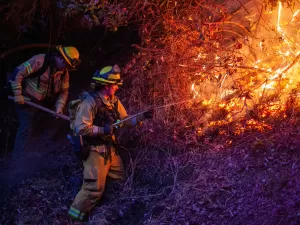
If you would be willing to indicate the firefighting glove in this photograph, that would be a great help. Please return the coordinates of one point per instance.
(108, 129)
(59, 111)
(148, 114)
(19, 99)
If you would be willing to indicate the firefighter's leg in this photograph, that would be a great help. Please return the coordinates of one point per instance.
(95, 172)
(26, 115)
(116, 170)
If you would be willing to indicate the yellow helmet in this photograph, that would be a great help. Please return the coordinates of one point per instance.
(108, 75)
(70, 54)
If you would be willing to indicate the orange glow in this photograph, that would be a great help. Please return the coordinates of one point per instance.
(256, 91)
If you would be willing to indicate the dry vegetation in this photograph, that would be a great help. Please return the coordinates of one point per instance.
(211, 52)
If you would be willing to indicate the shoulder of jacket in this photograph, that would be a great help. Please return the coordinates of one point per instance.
(39, 59)
(87, 99)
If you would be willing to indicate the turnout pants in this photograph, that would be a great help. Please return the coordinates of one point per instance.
(95, 172)
(26, 116)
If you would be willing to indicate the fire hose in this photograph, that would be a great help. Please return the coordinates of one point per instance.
(62, 116)
(43, 109)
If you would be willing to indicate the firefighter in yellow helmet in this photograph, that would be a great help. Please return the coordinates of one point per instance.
(95, 114)
(43, 78)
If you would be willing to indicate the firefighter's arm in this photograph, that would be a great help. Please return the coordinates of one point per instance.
(84, 121)
(22, 71)
(63, 94)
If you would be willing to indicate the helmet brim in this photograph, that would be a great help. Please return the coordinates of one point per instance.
(104, 81)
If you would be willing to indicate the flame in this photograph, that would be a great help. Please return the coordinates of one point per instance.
(295, 14)
(279, 14)
(196, 93)
(269, 87)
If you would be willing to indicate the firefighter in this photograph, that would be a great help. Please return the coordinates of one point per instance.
(96, 113)
(42, 78)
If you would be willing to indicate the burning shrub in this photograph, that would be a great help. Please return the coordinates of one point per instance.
(216, 68)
